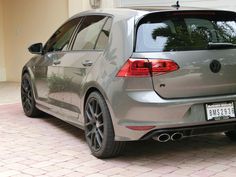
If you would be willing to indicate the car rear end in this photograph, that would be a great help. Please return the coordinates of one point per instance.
(180, 80)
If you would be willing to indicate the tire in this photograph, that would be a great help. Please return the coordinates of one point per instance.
(99, 132)
(27, 98)
(231, 135)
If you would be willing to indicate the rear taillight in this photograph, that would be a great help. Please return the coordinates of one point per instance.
(163, 66)
(135, 68)
(147, 67)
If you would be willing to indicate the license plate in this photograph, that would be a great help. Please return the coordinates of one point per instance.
(219, 111)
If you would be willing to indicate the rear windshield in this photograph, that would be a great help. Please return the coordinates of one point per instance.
(186, 30)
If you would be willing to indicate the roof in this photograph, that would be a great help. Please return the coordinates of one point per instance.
(135, 11)
(162, 8)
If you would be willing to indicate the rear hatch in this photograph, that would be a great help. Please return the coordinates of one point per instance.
(201, 43)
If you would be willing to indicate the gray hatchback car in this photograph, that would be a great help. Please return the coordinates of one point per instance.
(128, 74)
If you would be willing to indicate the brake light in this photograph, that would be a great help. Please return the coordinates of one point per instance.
(147, 67)
(163, 66)
(135, 68)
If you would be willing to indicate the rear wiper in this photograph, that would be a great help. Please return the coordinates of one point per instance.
(220, 45)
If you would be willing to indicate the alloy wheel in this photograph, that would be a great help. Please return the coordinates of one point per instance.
(26, 95)
(94, 124)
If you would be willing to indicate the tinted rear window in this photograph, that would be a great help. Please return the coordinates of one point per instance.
(185, 30)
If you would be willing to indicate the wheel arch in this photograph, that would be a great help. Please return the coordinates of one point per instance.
(27, 70)
(92, 87)
(24, 71)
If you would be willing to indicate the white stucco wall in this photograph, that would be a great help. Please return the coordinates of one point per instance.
(18, 19)
(27, 22)
(76, 6)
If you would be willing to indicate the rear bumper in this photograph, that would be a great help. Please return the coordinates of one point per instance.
(146, 108)
(193, 130)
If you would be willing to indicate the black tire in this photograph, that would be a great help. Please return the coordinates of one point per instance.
(231, 135)
(99, 132)
(27, 98)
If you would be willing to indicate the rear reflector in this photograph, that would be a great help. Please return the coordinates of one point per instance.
(140, 128)
(146, 67)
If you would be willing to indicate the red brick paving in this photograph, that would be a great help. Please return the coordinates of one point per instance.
(50, 147)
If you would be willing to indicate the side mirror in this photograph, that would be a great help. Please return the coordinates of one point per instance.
(36, 48)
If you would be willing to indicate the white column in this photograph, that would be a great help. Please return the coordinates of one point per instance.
(117, 3)
(76, 6)
(108, 3)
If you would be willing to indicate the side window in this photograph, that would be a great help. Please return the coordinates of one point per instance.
(103, 38)
(88, 32)
(61, 38)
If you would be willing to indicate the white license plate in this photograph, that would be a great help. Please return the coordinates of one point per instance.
(219, 111)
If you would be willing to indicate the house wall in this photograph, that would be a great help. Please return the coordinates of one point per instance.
(24, 22)
(27, 22)
(76, 6)
(2, 51)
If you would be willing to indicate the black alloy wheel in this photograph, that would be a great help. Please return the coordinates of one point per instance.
(27, 97)
(94, 124)
(99, 131)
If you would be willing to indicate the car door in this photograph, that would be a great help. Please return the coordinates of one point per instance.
(47, 82)
(76, 64)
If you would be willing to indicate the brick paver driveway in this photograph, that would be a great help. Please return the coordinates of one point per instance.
(50, 147)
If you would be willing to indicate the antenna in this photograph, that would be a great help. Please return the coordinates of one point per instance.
(177, 6)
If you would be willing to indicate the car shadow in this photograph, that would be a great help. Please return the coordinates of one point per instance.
(213, 146)
(63, 126)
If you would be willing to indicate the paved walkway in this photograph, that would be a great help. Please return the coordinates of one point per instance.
(50, 147)
(9, 92)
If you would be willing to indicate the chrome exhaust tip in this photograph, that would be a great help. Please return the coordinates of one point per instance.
(176, 136)
(164, 137)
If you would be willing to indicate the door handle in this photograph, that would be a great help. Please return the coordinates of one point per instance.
(56, 62)
(87, 63)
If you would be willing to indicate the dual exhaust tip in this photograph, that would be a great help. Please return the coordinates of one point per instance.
(164, 137)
